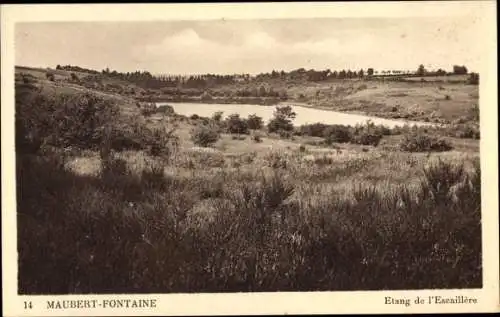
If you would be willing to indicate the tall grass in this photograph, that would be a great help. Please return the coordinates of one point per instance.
(122, 232)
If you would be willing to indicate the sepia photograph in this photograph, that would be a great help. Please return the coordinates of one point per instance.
(249, 155)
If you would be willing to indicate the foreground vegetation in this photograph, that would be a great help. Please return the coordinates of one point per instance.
(111, 200)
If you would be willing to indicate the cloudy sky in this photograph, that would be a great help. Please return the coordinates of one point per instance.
(252, 46)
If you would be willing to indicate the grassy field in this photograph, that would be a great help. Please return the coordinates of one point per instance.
(114, 202)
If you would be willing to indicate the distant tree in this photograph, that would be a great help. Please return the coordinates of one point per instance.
(282, 121)
(459, 70)
(370, 71)
(254, 122)
(58, 66)
(440, 72)
(361, 73)
(421, 70)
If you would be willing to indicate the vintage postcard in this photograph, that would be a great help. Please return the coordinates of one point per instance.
(250, 158)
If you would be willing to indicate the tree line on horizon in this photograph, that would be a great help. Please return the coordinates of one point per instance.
(147, 80)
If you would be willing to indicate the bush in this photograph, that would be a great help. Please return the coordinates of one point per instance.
(277, 125)
(282, 121)
(135, 135)
(337, 134)
(50, 76)
(235, 124)
(254, 122)
(79, 120)
(367, 138)
(217, 116)
(165, 109)
(315, 129)
(419, 142)
(204, 135)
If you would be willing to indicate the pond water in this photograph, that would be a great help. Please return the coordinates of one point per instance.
(304, 115)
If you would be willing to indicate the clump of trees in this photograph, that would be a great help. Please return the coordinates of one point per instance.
(282, 121)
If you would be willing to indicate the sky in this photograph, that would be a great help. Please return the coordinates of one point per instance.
(252, 46)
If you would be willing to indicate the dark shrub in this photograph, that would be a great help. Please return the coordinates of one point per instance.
(254, 122)
(337, 134)
(367, 138)
(204, 135)
(77, 120)
(419, 142)
(276, 125)
(165, 109)
(235, 124)
(315, 129)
